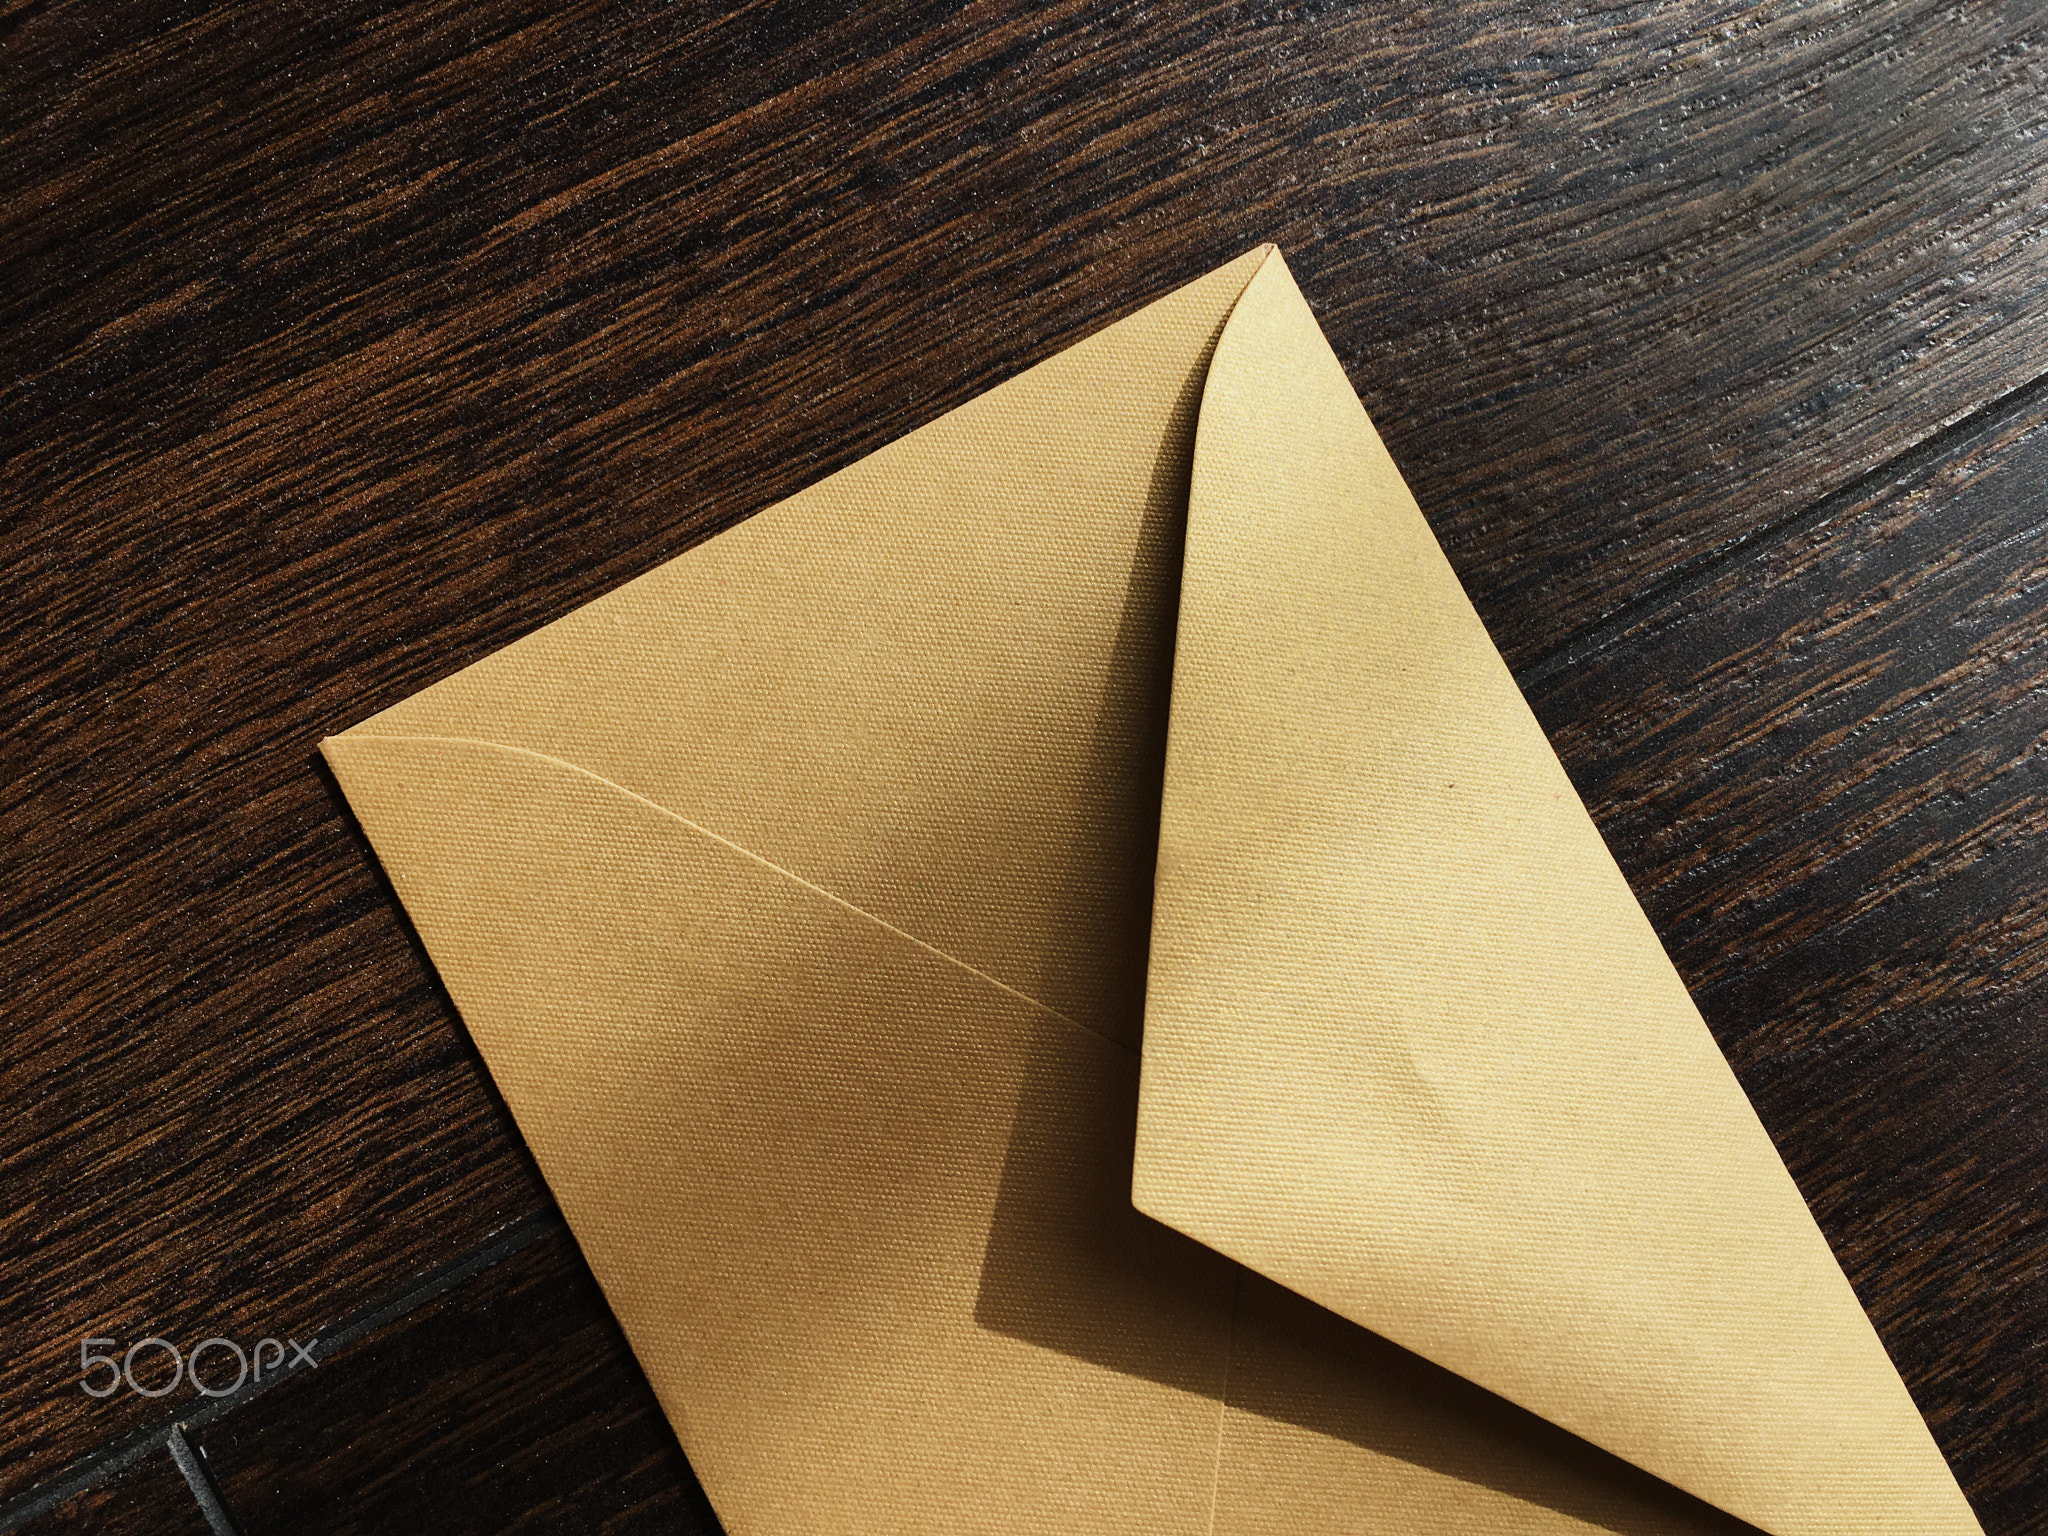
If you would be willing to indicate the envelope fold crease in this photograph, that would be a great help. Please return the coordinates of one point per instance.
(748, 853)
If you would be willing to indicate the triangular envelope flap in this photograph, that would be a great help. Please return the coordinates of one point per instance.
(1412, 1048)
(933, 683)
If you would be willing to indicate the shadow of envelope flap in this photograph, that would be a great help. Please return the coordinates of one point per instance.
(777, 1129)
(1412, 1048)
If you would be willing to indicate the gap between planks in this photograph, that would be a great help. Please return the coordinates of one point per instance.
(171, 1433)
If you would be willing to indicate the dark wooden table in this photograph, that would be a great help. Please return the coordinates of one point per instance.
(344, 343)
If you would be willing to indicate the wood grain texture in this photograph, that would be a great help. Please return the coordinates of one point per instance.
(1619, 287)
(1825, 771)
(510, 1404)
(224, 1122)
(343, 344)
(149, 1498)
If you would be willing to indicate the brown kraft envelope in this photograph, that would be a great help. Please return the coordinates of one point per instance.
(1060, 987)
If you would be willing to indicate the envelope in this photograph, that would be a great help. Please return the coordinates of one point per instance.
(1059, 986)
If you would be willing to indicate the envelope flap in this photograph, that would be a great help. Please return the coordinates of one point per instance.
(1412, 1048)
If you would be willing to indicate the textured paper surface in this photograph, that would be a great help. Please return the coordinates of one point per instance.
(798, 895)
(1412, 1048)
